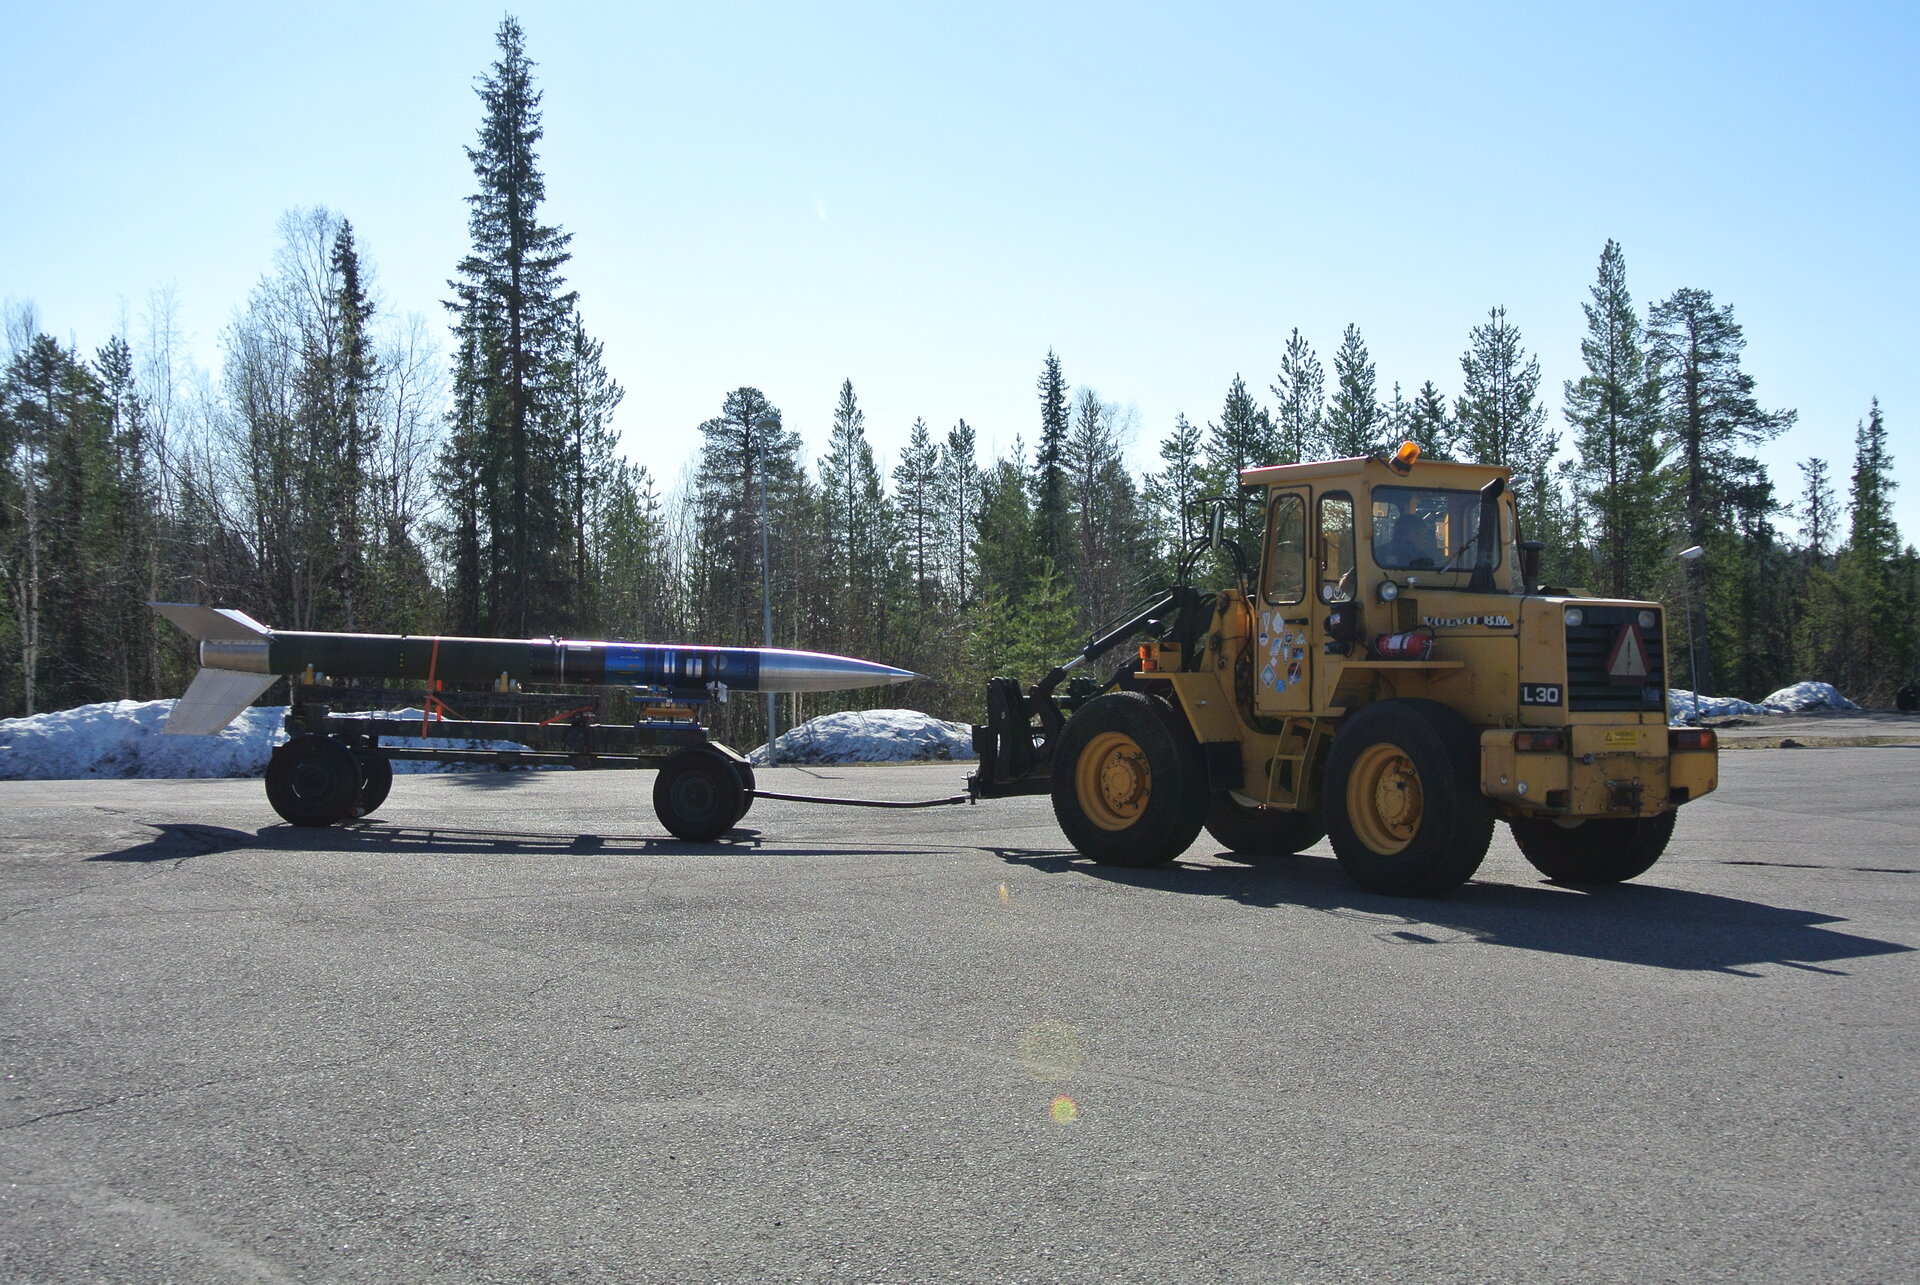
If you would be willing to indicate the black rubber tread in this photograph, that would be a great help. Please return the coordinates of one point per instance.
(376, 781)
(1177, 804)
(698, 796)
(744, 770)
(1456, 822)
(1599, 851)
(313, 781)
(1248, 831)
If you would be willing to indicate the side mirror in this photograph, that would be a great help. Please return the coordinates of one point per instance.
(1217, 526)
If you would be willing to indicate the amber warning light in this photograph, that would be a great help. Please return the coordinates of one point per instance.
(1402, 461)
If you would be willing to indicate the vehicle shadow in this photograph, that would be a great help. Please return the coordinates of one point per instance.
(183, 842)
(1630, 923)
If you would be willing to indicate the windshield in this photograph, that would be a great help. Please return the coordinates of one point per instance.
(1421, 529)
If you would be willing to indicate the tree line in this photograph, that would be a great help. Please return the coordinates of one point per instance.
(342, 471)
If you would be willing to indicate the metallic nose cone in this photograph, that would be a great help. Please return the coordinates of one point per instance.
(811, 671)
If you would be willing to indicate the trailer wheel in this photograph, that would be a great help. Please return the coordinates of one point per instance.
(1128, 788)
(744, 770)
(698, 795)
(313, 780)
(1601, 851)
(1248, 831)
(1403, 801)
(376, 781)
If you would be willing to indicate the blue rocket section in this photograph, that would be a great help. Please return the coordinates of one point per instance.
(683, 668)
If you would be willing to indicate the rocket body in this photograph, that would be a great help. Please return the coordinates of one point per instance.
(240, 658)
(485, 661)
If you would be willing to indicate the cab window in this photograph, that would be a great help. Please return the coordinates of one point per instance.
(1336, 547)
(1287, 550)
(1425, 529)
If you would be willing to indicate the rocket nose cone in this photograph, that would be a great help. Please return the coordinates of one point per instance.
(814, 672)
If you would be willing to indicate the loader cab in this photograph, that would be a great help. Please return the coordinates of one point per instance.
(1344, 539)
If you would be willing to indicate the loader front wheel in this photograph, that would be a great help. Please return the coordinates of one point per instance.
(1612, 850)
(1403, 801)
(1129, 786)
(1252, 832)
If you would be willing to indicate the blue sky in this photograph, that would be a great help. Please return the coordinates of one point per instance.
(926, 199)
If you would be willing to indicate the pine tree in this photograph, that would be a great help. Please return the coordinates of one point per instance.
(858, 544)
(586, 399)
(1614, 412)
(1879, 649)
(1299, 392)
(514, 321)
(1006, 551)
(1049, 465)
(1708, 413)
(1354, 422)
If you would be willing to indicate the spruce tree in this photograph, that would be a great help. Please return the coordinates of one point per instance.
(1353, 423)
(858, 545)
(1429, 425)
(1299, 393)
(513, 318)
(1049, 465)
(1614, 412)
(916, 489)
(1498, 421)
(1242, 438)
(1173, 493)
(960, 484)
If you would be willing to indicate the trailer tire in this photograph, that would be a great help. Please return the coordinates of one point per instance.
(748, 784)
(1129, 785)
(376, 781)
(1247, 831)
(1610, 850)
(314, 780)
(698, 795)
(1402, 799)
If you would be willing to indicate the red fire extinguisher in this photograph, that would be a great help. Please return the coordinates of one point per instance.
(1412, 645)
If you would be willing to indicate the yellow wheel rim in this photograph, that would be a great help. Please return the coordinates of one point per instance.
(1113, 781)
(1384, 799)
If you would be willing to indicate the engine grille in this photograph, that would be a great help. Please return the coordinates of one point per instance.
(1589, 646)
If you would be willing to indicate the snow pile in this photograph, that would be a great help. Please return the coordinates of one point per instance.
(123, 739)
(1680, 705)
(1802, 696)
(872, 736)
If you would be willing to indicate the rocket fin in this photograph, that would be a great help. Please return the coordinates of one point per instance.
(212, 624)
(214, 698)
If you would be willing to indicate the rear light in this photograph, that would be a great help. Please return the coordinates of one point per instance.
(1693, 738)
(1149, 662)
(1539, 741)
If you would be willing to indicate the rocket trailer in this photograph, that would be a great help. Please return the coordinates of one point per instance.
(337, 767)
(1389, 672)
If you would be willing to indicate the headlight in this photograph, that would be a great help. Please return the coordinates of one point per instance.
(1574, 617)
(1649, 619)
(1389, 591)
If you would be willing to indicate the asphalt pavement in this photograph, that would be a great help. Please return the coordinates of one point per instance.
(509, 1030)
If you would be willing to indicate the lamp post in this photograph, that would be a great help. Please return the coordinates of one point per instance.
(1687, 558)
(766, 424)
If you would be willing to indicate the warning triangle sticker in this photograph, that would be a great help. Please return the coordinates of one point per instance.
(1628, 661)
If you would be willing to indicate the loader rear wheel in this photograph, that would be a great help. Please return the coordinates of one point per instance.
(1403, 801)
(1600, 851)
(1129, 785)
(698, 795)
(1248, 831)
(313, 781)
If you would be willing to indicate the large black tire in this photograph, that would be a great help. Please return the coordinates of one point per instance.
(313, 781)
(376, 781)
(698, 795)
(1251, 832)
(1609, 851)
(744, 770)
(1402, 799)
(1129, 785)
